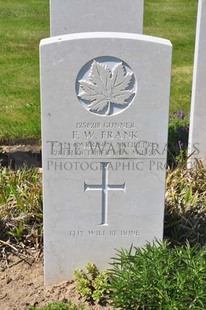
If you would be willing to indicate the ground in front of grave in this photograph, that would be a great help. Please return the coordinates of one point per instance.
(22, 284)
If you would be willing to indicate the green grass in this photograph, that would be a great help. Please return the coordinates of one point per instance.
(175, 20)
(23, 23)
(59, 306)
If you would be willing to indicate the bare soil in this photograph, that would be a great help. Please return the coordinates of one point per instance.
(22, 284)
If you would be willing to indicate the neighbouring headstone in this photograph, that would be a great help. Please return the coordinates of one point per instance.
(72, 16)
(197, 134)
(105, 105)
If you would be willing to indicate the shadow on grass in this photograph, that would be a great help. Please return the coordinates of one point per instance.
(19, 156)
(185, 226)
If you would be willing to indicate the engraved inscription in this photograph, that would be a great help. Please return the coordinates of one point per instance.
(104, 233)
(104, 188)
(107, 90)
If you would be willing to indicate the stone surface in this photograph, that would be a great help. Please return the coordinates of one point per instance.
(105, 105)
(197, 134)
(72, 16)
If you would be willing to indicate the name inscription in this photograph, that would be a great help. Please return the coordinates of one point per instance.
(105, 140)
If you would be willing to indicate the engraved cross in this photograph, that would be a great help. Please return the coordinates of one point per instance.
(104, 188)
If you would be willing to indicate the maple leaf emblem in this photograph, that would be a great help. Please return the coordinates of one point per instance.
(106, 87)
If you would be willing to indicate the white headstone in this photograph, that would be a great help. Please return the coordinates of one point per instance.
(105, 103)
(72, 16)
(197, 134)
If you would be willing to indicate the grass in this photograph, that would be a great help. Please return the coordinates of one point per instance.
(59, 306)
(20, 207)
(185, 213)
(23, 23)
(175, 20)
